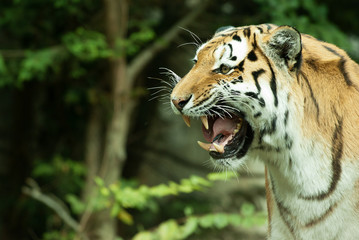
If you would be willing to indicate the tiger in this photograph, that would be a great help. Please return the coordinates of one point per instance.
(285, 98)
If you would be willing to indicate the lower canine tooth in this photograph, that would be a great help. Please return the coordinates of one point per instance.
(187, 120)
(219, 148)
(205, 146)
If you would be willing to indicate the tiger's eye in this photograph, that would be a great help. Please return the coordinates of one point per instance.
(224, 69)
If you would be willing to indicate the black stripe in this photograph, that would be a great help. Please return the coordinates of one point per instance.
(273, 126)
(269, 27)
(247, 32)
(332, 51)
(237, 80)
(255, 75)
(235, 92)
(262, 102)
(317, 220)
(341, 66)
(206, 99)
(273, 85)
(337, 152)
(268, 130)
(252, 95)
(312, 63)
(252, 56)
(230, 46)
(255, 96)
(258, 114)
(223, 35)
(298, 61)
(284, 212)
(237, 38)
(254, 42)
(314, 100)
(290, 162)
(260, 29)
(286, 117)
(240, 66)
(288, 141)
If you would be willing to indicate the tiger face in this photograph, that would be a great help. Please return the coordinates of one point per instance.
(235, 87)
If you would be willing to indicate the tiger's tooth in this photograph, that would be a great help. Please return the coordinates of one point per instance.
(205, 146)
(205, 122)
(187, 120)
(219, 148)
(239, 125)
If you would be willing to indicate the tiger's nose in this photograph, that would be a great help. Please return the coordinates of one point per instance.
(180, 103)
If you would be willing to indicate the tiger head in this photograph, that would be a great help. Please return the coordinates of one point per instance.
(238, 87)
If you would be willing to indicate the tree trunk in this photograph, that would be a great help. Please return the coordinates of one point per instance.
(100, 225)
(93, 150)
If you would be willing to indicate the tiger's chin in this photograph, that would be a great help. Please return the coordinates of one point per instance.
(228, 138)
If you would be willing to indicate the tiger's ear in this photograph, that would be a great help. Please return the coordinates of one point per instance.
(284, 46)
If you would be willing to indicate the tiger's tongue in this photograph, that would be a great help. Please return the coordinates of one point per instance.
(224, 126)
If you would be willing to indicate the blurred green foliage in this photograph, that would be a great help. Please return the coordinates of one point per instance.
(63, 176)
(79, 44)
(133, 44)
(123, 196)
(36, 64)
(87, 45)
(59, 235)
(307, 16)
(172, 230)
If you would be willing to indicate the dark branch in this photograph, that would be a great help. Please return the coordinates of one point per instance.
(34, 191)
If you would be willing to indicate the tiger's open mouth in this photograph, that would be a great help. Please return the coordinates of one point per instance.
(227, 137)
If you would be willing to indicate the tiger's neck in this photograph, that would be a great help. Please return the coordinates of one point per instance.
(309, 190)
(311, 177)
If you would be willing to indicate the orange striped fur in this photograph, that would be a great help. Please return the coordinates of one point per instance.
(295, 100)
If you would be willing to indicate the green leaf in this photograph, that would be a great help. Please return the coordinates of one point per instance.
(131, 198)
(160, 190)
(220, 220)
(125, 217)
(115, 209)
(235, 219)
(43, 170)
(87, 45)
(168, 230)
(143, 236)
(105, 192)
(189, 227)
(247, 210)
(77, 206)
(99, 181)
(197, 181)
(206, 221)
(222, 176)
(37, 63)
(188, 210)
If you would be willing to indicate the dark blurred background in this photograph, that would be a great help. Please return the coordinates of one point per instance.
(80, 97)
